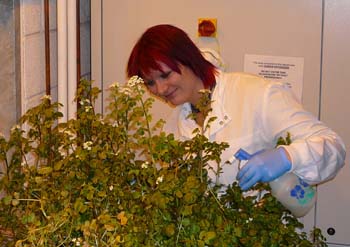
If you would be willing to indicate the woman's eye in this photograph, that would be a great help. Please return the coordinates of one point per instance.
(149, 83)
(165, 74)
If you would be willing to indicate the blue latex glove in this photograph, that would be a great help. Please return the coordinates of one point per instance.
(263, 166)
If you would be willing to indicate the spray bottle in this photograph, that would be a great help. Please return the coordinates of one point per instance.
(291, 191)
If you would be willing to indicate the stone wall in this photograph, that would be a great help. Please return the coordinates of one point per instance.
(22, 55)
(8, 85)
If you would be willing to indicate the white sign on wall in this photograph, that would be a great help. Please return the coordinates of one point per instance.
(288, 70)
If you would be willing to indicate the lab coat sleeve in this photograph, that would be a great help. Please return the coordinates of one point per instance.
(317, 152)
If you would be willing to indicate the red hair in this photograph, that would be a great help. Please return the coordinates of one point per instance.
(171, 46)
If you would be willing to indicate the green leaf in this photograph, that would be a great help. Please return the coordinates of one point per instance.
(7, 200)
(30, 218)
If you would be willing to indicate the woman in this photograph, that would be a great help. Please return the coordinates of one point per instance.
(251, 112)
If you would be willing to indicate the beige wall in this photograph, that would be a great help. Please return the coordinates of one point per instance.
(333, 202)
(269, 27)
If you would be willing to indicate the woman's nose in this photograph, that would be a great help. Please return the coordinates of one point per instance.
(161, 87)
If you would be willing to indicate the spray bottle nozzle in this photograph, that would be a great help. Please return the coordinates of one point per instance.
(241, 154)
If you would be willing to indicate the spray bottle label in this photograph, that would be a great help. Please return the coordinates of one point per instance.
(303, 192)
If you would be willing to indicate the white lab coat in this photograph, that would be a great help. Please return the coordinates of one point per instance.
(251, 114)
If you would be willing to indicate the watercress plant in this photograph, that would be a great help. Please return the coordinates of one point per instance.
(118, 180)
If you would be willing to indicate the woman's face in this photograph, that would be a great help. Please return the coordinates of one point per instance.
(173, 87)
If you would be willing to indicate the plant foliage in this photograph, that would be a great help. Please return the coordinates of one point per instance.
(117, 180)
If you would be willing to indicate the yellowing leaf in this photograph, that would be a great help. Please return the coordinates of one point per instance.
(119, 239)
(179, 194)
(207, 236)
(109, 227)
(44, 170)
(58, 165)
(104, 218)
(38, 180)
(64, 193)
(170, 230)
(15, 202)
(101, 193)
(123, 220)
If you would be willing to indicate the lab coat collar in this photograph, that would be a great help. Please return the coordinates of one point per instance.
(187, 125)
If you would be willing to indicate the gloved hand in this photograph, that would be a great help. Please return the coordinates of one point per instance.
(264, 166)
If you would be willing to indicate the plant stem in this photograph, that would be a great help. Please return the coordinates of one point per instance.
(148, 126)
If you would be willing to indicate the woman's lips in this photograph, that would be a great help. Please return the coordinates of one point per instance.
(170, 95)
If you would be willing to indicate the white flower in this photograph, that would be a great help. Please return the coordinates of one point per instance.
(16, 127)
(134, 81)
(115, 124)
(77, 241)
(88, 108)
(249, 220)
(102, 121)
(70, 134)
(48, 97)
(203, 91)
(145, 165)
(159, 179)
(26, 184)
(114, 85)
(111, 187)
(126, 90)
(84, 102)
(62, 151)
(87, 145)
